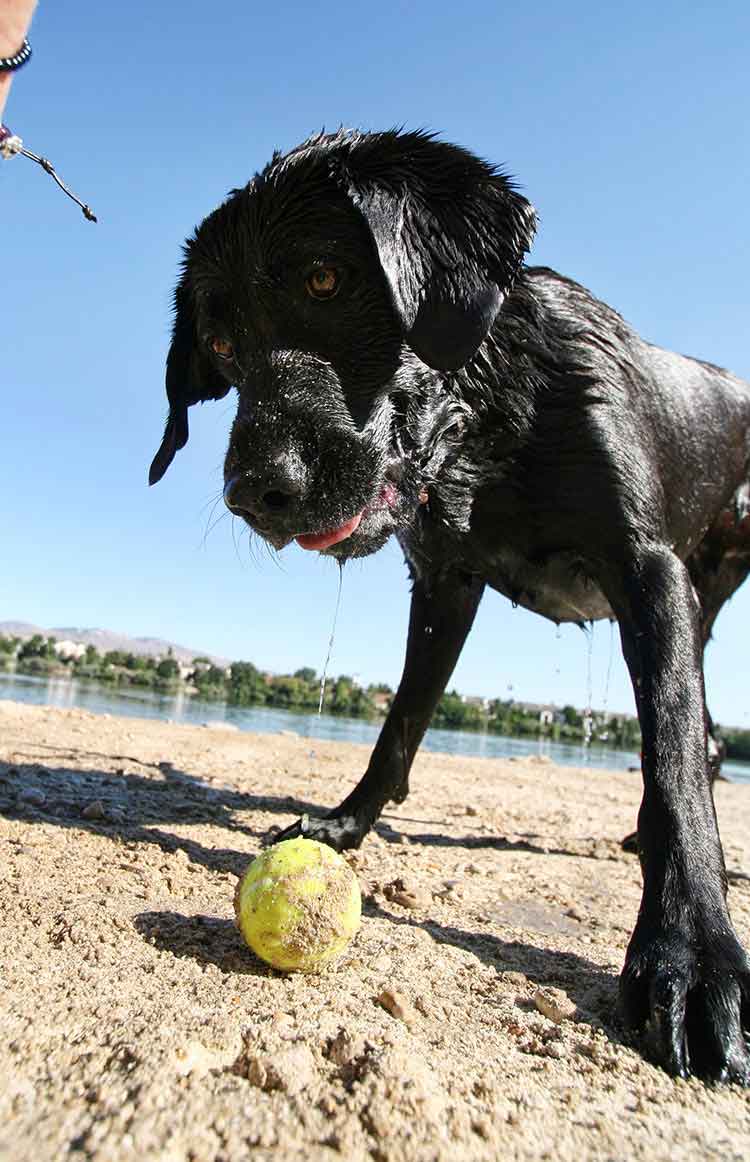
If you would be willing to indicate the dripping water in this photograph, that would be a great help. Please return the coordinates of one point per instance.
(324, 675)
(609, 664)
(588, 716)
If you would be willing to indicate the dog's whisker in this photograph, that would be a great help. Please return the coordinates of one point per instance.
(234, 539)
(274, 555)
(213, 500)
(211, 525)
(222, 516)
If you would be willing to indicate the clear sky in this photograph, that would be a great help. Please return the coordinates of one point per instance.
(626, 125)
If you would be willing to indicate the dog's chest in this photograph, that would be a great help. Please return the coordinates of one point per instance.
(496, 542)
(555, 585)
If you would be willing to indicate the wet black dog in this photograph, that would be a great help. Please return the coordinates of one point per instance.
(399, 370)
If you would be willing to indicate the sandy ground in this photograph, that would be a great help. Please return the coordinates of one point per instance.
(472, 1018)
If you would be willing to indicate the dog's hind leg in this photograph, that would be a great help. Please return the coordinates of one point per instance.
(443, 608)
(686, 980)
(717, 567)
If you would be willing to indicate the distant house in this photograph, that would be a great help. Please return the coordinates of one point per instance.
(546, 714)
(475, 700)
(69, 650)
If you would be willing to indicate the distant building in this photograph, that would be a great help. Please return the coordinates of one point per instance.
(67, 650)
(547, 714)
(475, 700)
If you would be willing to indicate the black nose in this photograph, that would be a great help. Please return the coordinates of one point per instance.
(272, 492)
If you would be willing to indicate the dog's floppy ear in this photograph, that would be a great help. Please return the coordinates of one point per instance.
(451, 233)
(190, 379)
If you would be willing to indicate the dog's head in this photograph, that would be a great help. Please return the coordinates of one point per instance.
(334, 292)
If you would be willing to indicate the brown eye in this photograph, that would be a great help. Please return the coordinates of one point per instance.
(221, 347)
(323, 283)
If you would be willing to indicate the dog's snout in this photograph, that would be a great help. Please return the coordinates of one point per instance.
(268, 493)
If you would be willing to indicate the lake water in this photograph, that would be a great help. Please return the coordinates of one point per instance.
(182, 707)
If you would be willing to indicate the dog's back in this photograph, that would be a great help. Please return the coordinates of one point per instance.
(661, 408)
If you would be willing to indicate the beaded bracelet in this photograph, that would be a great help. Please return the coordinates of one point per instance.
(9, 64)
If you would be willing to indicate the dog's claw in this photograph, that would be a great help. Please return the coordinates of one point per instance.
(690, 1005)
(297, 830)
(337, 831)
(630, 843)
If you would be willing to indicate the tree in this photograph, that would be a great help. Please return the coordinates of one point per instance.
(247, 686)
(167, 670)
(37, 647)
(453, 713)
(287, 691)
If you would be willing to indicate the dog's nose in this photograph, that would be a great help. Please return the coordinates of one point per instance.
(266, 493)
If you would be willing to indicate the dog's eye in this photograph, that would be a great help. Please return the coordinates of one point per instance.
(221, 347)
(323, 282)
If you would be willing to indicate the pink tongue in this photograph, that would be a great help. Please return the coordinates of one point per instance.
(324, 540)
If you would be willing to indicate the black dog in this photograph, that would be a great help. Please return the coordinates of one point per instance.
(400, 371)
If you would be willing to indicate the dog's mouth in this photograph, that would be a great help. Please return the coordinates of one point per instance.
(372, 514)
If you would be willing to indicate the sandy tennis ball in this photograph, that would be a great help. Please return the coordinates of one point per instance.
(298, 905)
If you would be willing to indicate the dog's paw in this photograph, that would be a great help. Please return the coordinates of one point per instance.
(337, 831)
(689, 999)
(630, 843)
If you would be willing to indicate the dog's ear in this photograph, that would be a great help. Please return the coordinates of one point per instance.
(190, 379)
(450, 231)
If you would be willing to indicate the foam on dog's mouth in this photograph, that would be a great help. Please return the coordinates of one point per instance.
(386, 499)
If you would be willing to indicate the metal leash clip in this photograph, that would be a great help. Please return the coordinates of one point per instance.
(11, 145)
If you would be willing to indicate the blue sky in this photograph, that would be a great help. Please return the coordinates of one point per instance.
(627, 128)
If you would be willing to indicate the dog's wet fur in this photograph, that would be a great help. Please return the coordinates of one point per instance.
(400, 371)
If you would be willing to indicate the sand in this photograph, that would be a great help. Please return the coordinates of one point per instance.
(474, 1016)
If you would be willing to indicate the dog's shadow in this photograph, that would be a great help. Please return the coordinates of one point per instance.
(138, 807)
(127, 805)
(211, 941)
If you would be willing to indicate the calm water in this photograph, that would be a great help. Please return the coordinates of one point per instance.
(262, 720)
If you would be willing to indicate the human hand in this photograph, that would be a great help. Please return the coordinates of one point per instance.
(15, 18)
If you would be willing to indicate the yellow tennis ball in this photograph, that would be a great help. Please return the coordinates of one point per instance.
(298, 905)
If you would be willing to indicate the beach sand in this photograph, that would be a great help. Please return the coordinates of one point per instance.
(474, 1017)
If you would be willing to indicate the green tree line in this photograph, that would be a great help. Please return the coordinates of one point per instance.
(243, 684)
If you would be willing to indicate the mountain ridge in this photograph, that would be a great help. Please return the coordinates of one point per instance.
(105, 639)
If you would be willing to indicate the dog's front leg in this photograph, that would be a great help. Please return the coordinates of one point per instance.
(442, 612)
(686, 980)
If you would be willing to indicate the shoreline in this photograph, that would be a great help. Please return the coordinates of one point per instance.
(190, 709)
(498, 906)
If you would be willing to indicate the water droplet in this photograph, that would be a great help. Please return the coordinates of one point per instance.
(330, 644)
